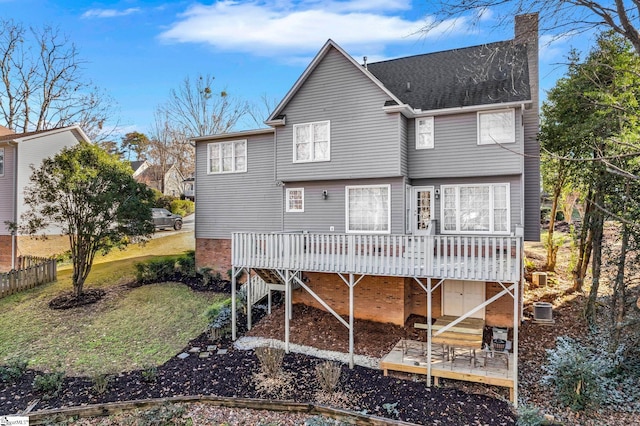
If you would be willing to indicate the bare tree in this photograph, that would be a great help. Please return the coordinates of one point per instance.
(169, 146)
(621, 16)
(195, 109)
(42, 82)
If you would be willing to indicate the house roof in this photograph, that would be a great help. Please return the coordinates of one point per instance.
(330, 44)
(479, 75)
(135, 165)
(487, 74)
(21, 137)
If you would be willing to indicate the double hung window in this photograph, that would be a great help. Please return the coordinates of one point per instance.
(369, 209)
(496, 127)
(482, 208)
(311, 142)
(424, 133)
(227, 157)
(295, 200)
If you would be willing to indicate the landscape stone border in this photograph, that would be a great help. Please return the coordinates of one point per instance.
(113, 408)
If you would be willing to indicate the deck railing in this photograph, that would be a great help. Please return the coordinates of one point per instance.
(489, 258)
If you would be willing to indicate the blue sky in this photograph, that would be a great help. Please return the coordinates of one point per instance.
(138, 50)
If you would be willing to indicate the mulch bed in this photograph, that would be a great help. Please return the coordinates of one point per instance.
(232, 375)
(69, 300)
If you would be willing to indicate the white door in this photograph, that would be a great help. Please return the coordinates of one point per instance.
(459, 297)
(422, 208)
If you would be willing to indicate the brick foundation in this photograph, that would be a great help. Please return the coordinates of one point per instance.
(214, 254)
(5, 253)
(376, 298)
(393, 299)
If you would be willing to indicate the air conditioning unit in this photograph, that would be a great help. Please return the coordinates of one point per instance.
(543, 312)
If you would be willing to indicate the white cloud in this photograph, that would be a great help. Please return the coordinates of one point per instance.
(109, 13)
(299, 29)
(554, 46)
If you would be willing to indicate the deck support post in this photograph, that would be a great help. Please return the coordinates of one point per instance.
(287, 308)
(429, 350)
(234, 315)
(516, 323)
(351, 340)
(249, 302)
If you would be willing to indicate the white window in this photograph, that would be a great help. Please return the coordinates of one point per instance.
(481, 208)
(227, 157)
(295, 200)
(369, 209)
(1, 161)
(311, 142)
(496, 127)
(424, 133)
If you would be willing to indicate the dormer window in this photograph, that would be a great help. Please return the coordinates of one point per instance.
(311, 142)
(496, 127)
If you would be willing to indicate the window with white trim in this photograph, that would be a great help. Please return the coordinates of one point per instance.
(424, 133)
(227, 157)
(311, 142)
(295, 200)
(368, 209)
(481, 208)
(1, 161)
(495, 127)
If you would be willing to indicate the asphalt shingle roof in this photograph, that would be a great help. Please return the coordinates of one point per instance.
(478, 75)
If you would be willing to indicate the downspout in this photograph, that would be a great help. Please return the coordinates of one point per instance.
(275, 178)
(15, 205)
(522, 161)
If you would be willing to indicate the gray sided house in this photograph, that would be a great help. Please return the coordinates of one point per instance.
(384, 190)
(18, 152)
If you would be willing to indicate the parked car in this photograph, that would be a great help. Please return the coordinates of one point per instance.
(163, 219)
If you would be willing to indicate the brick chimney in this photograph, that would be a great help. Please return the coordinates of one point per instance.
(6, 131)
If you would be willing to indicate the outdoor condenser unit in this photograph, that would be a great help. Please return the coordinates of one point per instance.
(542, 312)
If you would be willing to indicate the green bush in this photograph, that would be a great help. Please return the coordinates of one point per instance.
(578, 374)
(529, 415)
(182, 207)
(164, 201)
(49, 383)
(13, 371)
(156, 270)
(101, 383)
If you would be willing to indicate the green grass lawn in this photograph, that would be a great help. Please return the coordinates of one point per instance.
(128, 329)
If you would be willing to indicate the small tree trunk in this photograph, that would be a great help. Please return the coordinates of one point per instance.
(597, 231)
(618, 300)
(584, 247)
(552, 250)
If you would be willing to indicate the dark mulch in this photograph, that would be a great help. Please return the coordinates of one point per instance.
(232, 375)
(69, 300)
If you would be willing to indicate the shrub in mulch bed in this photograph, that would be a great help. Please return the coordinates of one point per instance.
(232, 375)
(179, 269)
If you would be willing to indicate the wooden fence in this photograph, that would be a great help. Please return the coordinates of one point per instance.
(31, 271)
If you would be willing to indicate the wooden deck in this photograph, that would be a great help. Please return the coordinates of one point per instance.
(494, 258)
(492, 369)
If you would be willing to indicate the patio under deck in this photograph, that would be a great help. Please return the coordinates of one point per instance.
(489, 368)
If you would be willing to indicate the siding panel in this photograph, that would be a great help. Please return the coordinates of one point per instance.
(361, 133)
(319, 214)
(237, 202)
(457, 153)
(7, 189)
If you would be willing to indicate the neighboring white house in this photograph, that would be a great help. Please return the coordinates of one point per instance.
(18, 152)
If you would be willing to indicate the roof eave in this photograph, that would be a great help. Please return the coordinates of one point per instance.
(409, 112)
(232, 135)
